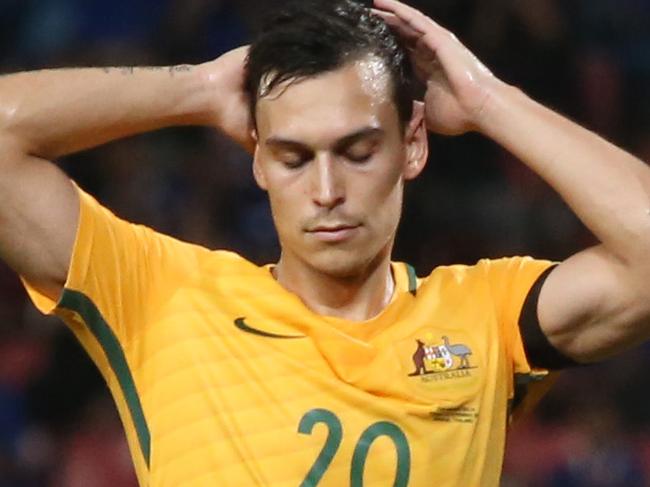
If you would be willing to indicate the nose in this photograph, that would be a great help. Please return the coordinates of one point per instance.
(328, 188)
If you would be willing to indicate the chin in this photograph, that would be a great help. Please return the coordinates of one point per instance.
(342, 264)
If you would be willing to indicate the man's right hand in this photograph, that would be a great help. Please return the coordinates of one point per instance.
(225, 76)
(48, 114)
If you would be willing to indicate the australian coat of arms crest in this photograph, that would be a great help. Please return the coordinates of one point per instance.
(430, 358)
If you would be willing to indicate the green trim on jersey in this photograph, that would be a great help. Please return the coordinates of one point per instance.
(81, 304)
(413, 279)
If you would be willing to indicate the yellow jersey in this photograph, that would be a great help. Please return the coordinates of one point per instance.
(224, 378)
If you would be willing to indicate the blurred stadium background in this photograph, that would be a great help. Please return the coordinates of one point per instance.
(590, 59)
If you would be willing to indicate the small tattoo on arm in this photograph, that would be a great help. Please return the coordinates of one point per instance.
(181, 68)
(131, 70)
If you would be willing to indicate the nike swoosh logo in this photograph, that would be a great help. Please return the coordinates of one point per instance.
(243, 326)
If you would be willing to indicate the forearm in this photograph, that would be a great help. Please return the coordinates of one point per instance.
(51, 113)
(607, 188)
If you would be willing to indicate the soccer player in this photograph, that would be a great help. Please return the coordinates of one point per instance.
(334, 366)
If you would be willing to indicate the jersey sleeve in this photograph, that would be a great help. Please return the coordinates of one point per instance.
(121, 273)
(510, 281)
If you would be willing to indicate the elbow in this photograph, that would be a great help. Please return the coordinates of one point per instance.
(8, 116)
(634, 246)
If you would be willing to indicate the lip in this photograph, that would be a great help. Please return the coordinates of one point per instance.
(333, 234)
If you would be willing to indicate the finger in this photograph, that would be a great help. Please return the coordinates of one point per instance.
(415, 19)
(398, 8)
(432, 41)
(438, 39)
(405, 31)
(416, 41)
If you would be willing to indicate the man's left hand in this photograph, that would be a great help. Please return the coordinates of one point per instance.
(458, 85)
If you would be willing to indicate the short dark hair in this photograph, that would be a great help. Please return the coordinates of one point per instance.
(311, 37)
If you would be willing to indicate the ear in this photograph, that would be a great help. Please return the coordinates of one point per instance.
(258, 173)
(417, 144)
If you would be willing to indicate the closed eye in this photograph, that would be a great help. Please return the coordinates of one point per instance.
(361, 150)
(292, 158)
(295, 162)
(358, 157)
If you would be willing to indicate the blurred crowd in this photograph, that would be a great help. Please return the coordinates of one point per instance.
(589, 59)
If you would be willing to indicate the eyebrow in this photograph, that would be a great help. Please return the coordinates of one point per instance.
(339, 145)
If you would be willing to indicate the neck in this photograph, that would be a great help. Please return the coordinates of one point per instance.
(357, 298)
